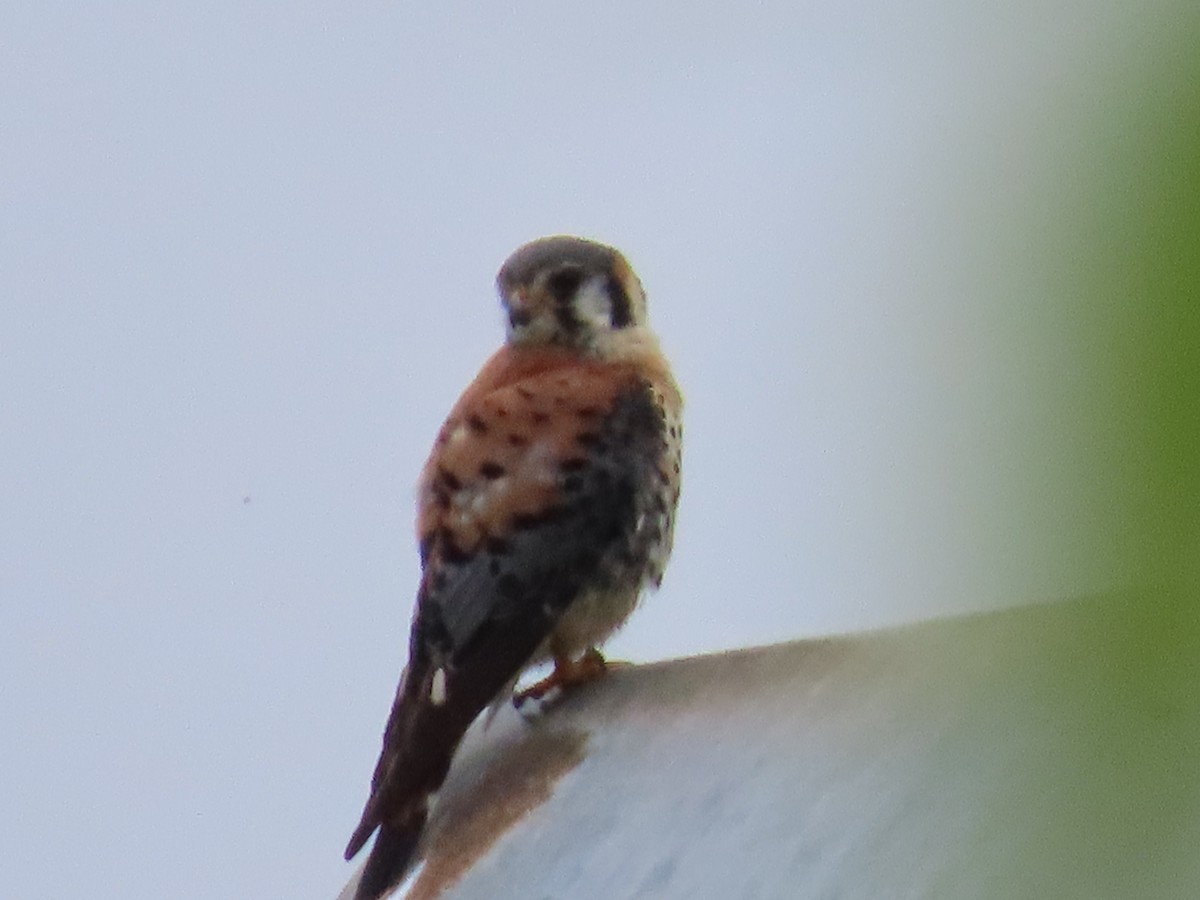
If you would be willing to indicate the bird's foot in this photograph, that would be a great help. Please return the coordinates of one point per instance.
(567, 674)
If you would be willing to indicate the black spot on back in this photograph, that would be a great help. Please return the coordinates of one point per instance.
(491, 470)
(449, 550)
(528, 521)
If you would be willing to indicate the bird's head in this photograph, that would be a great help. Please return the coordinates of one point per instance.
(569, 292)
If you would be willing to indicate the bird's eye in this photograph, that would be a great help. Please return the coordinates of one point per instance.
(564, 283)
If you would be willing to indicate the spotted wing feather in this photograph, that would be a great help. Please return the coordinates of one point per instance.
(532, 494)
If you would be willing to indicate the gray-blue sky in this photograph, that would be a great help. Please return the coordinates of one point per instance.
(246, 262)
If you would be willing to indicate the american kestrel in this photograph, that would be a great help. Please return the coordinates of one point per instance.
(546, 507)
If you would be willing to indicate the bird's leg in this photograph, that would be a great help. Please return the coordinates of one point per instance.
(567, 674)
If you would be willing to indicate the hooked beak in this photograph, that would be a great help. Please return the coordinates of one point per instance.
(519, 312)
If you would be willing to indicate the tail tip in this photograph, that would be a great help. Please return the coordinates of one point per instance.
(391, 857)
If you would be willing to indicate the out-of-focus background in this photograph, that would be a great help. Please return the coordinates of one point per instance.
(928, 275)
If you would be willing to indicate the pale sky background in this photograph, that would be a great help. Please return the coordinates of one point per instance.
(246, 264)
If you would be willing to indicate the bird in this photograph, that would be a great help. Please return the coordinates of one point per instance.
(545, 511)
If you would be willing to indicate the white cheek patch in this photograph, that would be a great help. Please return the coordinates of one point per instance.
(593, 306)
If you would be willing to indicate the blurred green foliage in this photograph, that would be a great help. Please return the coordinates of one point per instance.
(1124, 258)
(1133, 238)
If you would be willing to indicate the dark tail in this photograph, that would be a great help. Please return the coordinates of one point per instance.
(391, 856)
(418, 744)
(422, 735)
